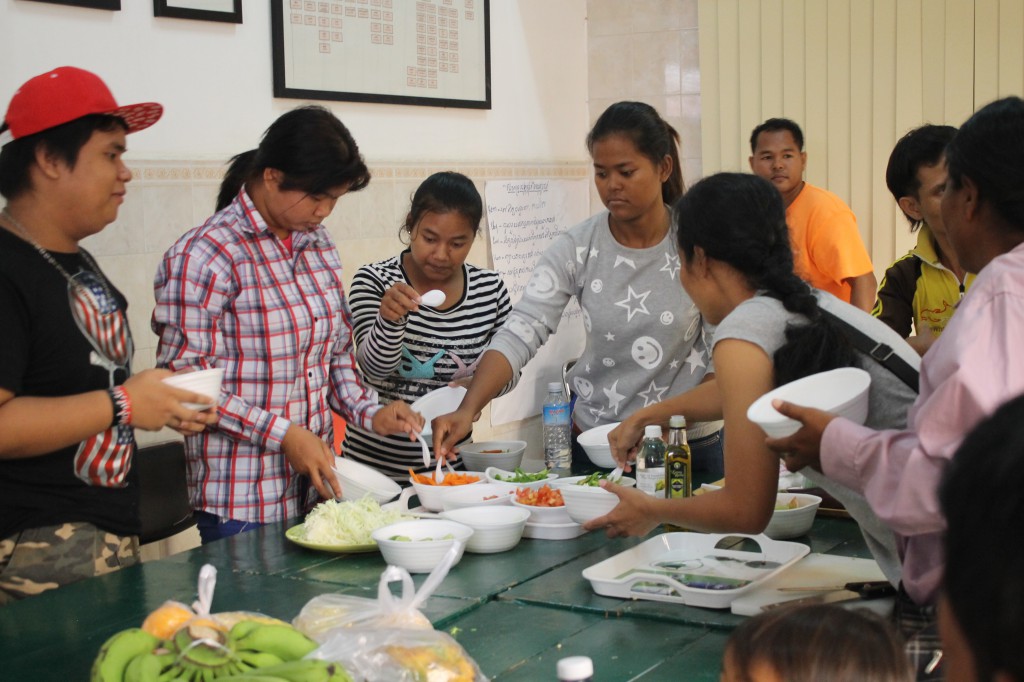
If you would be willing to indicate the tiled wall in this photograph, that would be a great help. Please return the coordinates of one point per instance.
(647, 50)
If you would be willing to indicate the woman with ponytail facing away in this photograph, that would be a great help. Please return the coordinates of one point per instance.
(737, 266)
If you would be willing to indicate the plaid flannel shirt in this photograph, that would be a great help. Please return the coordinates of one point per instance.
(230, 294)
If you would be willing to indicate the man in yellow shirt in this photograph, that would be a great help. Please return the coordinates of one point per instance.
(828, 251)
(920, 290)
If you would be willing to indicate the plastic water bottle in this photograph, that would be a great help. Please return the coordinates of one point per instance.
(575, 669)
(557, 429)
(650, 462)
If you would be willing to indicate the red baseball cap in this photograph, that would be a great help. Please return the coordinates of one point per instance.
(65, 94)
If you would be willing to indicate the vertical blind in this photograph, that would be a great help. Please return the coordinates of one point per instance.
(856, 75)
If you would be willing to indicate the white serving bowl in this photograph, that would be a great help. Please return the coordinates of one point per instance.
(432, 496)
(483, 495)
(359, 480)
(439, 401)
(842, 391)
(495, 528)
(595, 443)
(792, 523)
(205, 382)
(492, 474)
(475, 457)
(419, 555)
(585, 502)
(544, 514)
(572, 481)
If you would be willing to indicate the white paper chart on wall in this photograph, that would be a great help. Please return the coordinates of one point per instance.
(402, 48)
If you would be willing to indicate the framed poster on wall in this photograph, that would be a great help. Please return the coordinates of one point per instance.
(93, 4)
(422, 52)
(207, 10)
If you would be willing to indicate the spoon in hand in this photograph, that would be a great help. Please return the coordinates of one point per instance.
(433, 298)
(425, 448)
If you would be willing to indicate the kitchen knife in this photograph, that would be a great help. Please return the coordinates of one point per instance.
(870, 589)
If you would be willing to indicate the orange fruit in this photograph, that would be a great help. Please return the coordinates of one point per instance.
(165, 621)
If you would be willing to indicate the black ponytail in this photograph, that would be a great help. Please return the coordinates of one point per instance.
(739, 219)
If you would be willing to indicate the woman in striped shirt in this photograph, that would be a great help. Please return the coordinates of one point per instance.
(406, 348)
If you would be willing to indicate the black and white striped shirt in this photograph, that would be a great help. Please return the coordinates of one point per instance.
(424, 351)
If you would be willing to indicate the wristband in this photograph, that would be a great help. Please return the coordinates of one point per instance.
(122, 406)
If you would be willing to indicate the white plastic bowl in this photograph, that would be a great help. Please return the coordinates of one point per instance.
(205, 382)
(492, 474)
(841, 391)
(483, 495)
(792, 523)
(595, 443)
(572, 481)
(544, 514)
(495, 528)
(419, 555)
(475, 457)
(439, 401)
(432, 496)
(584, 502)
(359, 480)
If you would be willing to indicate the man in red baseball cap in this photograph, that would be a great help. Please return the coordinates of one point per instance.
(68, 400)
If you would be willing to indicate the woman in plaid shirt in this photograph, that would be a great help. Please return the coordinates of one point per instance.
(257, 290)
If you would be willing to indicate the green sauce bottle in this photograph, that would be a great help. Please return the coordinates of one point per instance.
(678, 464)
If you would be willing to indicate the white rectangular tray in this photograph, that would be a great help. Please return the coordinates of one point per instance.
(687, 568)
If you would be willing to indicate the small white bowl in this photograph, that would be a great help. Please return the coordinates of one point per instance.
(544, 514)
(842, 391)
(483, 495)
(359, 480)
(419, 555)
(584, 502)
(595, 443)
(792, 523)
(432, 496)
(492, 474)
(495, 528)
(573, 481)
(436, 403)
(477, 457)
(205, 382)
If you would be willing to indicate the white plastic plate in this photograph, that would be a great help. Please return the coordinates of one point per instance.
(688, 568)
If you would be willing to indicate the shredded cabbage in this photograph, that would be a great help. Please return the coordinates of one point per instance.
(347, 523)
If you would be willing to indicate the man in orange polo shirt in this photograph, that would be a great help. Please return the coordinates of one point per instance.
(827, 248)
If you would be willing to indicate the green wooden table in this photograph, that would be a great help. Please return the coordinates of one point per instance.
(516, 612)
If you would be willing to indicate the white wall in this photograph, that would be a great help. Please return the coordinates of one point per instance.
(215, 81)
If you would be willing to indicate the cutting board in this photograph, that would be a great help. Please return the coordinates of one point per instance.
(813, 570)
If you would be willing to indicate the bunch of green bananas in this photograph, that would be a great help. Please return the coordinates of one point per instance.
(250, 652)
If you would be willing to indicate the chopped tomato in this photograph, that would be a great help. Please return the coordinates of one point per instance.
(545, 496)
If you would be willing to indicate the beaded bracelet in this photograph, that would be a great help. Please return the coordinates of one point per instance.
(122, 406)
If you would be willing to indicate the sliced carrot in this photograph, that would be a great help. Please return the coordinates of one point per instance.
(421, 478)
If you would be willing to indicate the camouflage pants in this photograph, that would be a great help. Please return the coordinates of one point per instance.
(40, 559)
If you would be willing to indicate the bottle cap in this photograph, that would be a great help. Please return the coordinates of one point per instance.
(575, 668)
(677, 421)
(652, 431)
(555, 387)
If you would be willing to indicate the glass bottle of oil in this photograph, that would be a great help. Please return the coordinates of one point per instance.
(678, 463)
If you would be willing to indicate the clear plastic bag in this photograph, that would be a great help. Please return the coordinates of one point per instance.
(388, 638)
(397, 655)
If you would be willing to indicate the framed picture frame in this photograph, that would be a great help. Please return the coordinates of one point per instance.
(114, 5)
(229, 11)
(418, 52)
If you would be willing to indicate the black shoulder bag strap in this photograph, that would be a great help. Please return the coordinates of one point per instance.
(881, 353)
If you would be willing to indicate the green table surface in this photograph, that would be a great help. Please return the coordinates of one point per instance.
(516, 613)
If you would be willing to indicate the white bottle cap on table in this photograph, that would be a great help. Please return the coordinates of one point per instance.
(575, 668)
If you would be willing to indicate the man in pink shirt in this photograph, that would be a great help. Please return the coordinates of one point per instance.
(975, 366)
